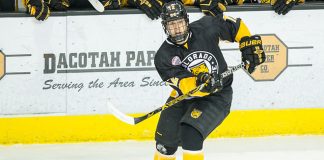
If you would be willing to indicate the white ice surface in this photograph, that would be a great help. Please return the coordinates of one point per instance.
(263, 148)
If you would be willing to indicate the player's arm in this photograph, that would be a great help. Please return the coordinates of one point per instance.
(114, 4)
(212, 7)
(183, 85)
(228, 28)
(235, 30)
(183, 81)
(282, 6)
(41, 9)
(169, 69)
(58, 5)
(152, 8)
(37, 8)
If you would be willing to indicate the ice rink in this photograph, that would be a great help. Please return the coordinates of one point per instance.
(262, 148)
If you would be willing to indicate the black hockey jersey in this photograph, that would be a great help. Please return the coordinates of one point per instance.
(179, 65)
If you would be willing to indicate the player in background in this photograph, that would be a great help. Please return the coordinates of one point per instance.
(190, 56)
(214, 7)
(41, 9)
(152, 8)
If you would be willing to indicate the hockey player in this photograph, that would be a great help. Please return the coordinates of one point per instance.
(190, 56)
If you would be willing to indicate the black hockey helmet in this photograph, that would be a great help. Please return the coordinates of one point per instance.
(171, 11)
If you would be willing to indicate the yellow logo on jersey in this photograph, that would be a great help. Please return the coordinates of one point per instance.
(198, 68)
(195, 113)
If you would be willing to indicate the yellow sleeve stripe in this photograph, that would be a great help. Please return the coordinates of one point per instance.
(188, 2)
(188, 84)
(242, 32)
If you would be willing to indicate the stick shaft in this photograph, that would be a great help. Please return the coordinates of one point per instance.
(97, 5)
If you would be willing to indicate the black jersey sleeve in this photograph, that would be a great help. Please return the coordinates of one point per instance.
(227, 28)
(237, 29)
(168, 64)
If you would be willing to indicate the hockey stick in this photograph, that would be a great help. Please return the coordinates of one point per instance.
(97, 5)
(135, 120)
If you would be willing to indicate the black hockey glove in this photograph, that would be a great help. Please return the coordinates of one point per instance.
(215, 7)
(212, 7)
(283, 6)
(152, 8)
(214, 82)
(38, 9)
(112, 4)
(58, 5)
(252, 52)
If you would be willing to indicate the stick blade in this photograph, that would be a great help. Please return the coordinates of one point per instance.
(97, 5)
(121, 116)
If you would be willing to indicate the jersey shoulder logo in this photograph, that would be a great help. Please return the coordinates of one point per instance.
(176, 61)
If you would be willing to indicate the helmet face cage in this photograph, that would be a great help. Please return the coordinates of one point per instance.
(171, 11)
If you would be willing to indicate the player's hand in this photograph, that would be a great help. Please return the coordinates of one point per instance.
(112, 4)
(38, 9)
(213, 7)
(213, 82)
(252, 52)
(58, 5)
(283, 6)
(152, 8)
